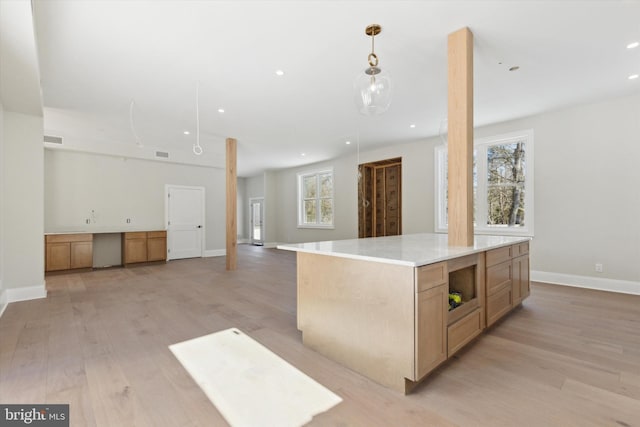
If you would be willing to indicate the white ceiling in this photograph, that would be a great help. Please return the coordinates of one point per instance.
(96, 56)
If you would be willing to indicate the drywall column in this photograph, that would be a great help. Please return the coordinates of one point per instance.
(232, 205)
(460, 137)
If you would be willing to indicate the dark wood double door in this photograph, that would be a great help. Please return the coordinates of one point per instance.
(380, 198)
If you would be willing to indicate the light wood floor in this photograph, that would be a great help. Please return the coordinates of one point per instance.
(568, 357)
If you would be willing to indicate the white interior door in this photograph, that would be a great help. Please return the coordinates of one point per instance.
(257, 233)
(185, 221)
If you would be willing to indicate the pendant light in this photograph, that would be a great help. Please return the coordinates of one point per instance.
(373, 86)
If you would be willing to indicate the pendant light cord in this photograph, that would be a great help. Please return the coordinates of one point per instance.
(197, 149)
(133, 128)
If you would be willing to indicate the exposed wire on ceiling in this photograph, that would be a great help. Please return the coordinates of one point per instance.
(131, 124)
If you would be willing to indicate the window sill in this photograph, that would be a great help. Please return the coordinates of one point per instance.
(317, 227)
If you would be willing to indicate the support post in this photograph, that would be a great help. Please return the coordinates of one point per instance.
(232, 205)
(460, 137)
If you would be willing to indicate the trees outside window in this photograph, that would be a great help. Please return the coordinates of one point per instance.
(503, 185)
(315, 199)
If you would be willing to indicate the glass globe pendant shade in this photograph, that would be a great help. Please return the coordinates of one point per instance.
(372, 91)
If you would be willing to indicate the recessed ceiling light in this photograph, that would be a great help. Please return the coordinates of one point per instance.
(186, 132)
(348, 142)
(412, 126)
(633, 45)
(633, 76)
(279, 73)
(303, 154)
(220, 110)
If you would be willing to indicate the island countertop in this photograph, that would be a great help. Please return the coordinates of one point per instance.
(413, 250)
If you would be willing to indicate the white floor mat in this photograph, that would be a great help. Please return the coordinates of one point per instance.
(250, 385)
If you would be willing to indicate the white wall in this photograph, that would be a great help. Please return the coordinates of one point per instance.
(117, 188)
(587, 203)
(417, 192)
(21, 158)
(23, 198)
(272, 209)
(242, 209)
(3, 293)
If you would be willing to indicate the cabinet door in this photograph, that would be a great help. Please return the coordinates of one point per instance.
(81, 254)
(135, 250)
(157, 249)
(520, 278)
(498, 305)
(431, 328)
(58, 256)
(499, 276)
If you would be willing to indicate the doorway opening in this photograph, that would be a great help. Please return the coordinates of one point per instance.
(380, 198)
(256, 221)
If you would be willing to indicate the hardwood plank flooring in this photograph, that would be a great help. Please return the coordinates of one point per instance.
(99, 341)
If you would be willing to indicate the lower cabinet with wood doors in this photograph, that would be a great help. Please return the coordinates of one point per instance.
(144, 246)
(74, 251)
(68, 251)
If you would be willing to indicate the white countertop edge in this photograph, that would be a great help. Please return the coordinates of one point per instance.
(354, 256)
(459, 251)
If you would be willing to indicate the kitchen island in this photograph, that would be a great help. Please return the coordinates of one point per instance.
(380, 306)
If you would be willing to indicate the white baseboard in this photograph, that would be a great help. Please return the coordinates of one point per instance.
(3, 300)
(270, 245)
(243, 241)
(601, 284)
(8, 296)
(215, 252)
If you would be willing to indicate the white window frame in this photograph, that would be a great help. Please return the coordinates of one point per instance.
(317, 224)
(480, 154)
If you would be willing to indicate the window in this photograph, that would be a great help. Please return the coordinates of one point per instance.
(502, 185)
(315, 199)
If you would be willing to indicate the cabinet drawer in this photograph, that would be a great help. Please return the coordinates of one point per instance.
(498, 277)
(156, 234)
(135, 235)
(498, 305)
(431, 276)
(463, 331)
(520, 249)
(66, 238)
(496, 256)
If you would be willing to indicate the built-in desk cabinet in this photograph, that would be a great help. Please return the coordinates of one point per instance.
(68, 251)
(75, 251)
(144, 246)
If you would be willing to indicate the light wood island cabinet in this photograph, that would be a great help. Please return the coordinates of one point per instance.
(432, 296)
(507, 279)
(380, 305)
